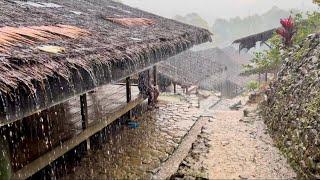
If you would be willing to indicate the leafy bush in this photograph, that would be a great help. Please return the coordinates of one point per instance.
(270, 60)
(252, 85)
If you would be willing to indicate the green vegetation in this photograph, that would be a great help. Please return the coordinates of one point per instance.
(313, 106)
(269, 61)
(252, 85)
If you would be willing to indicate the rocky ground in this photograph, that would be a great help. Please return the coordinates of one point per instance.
(181, 141)
(138, 153)
(234, 147)
(193, 165)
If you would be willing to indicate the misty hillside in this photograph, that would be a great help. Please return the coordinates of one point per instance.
(225, 31)
(228, 30)
(193, 19)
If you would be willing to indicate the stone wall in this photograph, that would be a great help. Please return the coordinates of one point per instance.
(292, 109)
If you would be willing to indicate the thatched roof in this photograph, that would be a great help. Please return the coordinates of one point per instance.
(52, 50)
(250, 41)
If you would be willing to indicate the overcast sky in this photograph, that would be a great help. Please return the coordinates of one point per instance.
(212, 9)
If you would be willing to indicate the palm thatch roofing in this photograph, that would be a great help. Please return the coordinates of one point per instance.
(250, 41)
(52, 50)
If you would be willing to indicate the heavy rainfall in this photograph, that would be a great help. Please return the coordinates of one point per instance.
(159, 89)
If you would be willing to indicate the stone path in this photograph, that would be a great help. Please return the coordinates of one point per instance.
(234, 147)
(229, 145)
(138, 153)
(172, 165)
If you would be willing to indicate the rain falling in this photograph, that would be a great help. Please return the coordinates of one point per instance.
(150, 89)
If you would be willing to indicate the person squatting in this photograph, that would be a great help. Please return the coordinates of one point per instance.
(147, 90)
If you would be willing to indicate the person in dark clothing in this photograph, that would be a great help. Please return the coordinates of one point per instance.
(147, 89)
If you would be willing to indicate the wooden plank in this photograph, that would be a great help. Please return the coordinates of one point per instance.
(57, 152)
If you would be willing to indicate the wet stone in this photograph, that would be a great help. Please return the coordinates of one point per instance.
(191, 167)
(138, 153)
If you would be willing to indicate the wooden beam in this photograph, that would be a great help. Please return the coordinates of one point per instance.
(128, 89)
(128, 92)
(267, 45)
(266, 76)
(68, 145)
(84, 111)
(155, 76)
(84, 116)
(123, 84)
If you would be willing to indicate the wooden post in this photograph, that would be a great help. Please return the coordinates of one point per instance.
(266, 76)
(128, 89)
(155, 75)
(174, 88)
(84, 116)
(128, 92)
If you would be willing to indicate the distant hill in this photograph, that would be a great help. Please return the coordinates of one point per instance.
(193, 19)
(226, 31)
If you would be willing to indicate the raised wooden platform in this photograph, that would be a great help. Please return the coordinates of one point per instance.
(104, 105)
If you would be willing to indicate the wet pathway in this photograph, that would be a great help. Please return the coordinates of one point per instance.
(185, 142)
(234, 147)
(138, 153)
